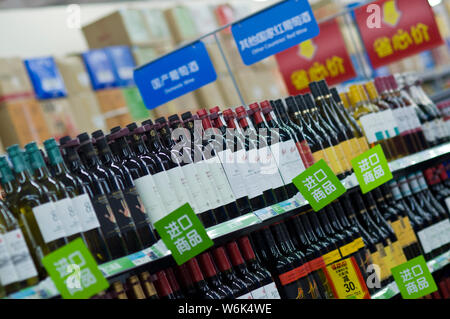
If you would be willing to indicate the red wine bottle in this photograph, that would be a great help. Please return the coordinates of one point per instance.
(163, 287)
(173, 283)
(206, 262)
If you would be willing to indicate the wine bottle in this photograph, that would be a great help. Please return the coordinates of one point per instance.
(56, 192)
(135, 288)
(147, 285)
(185, 279)
(119, 212)
(97, 188)
(81, 203)
(118, 290)
(36, 213)
(202, 287)
(173, 283)
(163, 287)
(125, 172)
(207, 265)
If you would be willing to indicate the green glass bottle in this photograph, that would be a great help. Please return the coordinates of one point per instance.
(17, 269)
(36, 213)
(55, 191)
(79, 195)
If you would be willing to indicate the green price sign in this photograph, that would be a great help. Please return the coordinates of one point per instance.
(318, 185)
(183, 234)
(413, 278)
(371, 169)
(74, 271)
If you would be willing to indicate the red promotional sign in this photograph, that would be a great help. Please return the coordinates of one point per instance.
(394, 29)
(323, 57)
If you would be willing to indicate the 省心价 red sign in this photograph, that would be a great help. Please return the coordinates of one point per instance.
(322, 57)
(394, 29)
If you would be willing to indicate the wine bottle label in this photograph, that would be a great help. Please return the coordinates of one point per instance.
(370, 123)
(426, 240)
(137, 208)
(429, 132)
(347, 249)
(86, 213)
(445, 231)
(422, 183)
(333, 160)
(269, 167)
(8, 273)
(105, 216)
(293, 275)
(349, 152)
(404, 187)
(399, 256)
(377, 260)
(20, 255)
(179, 183)
(355, 147)
(68, 216)
(166, 191)
(201, 204)
(359, 243)
(259, 293)
(400, 232)
(305, 153)
(402, 121)
(48, 222)
(121, 211)
(288, 160)
(410, 235)
(208, 183)
(272, 291)
(255, 165)
(345, 164)
(414, 184)
(385, 261)
(412, 119)
(231, 168)
(389, 124)
(149, 195)
(249, 174)
(390, 257)
(220, 180)
(316, 264)
(440, 134)
(245, 296)
(331, 257)
(362, 142)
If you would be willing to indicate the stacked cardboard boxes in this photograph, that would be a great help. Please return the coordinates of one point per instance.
(21, 117)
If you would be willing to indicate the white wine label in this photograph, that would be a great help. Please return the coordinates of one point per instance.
(48, 222)
(444, 230)
(388, 124)
(259, 293)
(249, 174)
(412, 118)
(151, 199)
(194, 186)
(68, 216)
(20, 255)
(246, 296)
(86, 213)
(181, 188)
(289, 160)
(8, 273)
(269, 168)
(237, 182)
(208, 183)
(220, 180)
(166, 190)
(428, 132)
(402, 121)
(371, 126)
(272, 291)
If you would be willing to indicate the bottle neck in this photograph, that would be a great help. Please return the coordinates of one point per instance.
(271, 244)
(88, 155)
(165, 134)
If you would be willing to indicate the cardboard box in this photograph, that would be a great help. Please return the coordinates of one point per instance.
(14, 78)
(74, 74)
(86, 112)
(110, 99)
(46, 78)
(59, 117)
(209, 96)
(123, 27)
(22, 121)
(181, 24)
(135, 104)
(157, 26)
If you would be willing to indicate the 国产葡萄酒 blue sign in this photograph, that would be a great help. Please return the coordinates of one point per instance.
(273, 30)
(174, 75)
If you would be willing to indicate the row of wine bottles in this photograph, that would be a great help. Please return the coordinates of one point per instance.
(108, 190)
(287, 259)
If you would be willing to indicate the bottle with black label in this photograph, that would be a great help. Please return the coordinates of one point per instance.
(202, 288)
(206, 262)
(97, 188)
(119, 212)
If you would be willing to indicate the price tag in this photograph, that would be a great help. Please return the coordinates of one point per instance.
(265, 213)
(346, 280)
(174, 75)
(414, 279)
(371, 169)
(318, 185)
(74, 271)
(275, 29)
(183, 234)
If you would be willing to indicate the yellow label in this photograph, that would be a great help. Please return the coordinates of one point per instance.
(359, 243)
(347, 249)
(355, 147)
(318, 155)
(349, 150)
(331, 257)
(379, 258)
(345, 164)
(389, 258)
(333, 162)
(363, 144)
(409, 231)
(399, 255)
(346, 280)
(399, 231)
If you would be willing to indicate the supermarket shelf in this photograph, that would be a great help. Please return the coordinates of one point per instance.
(158, 256)
(435, 74)
(392, 290)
